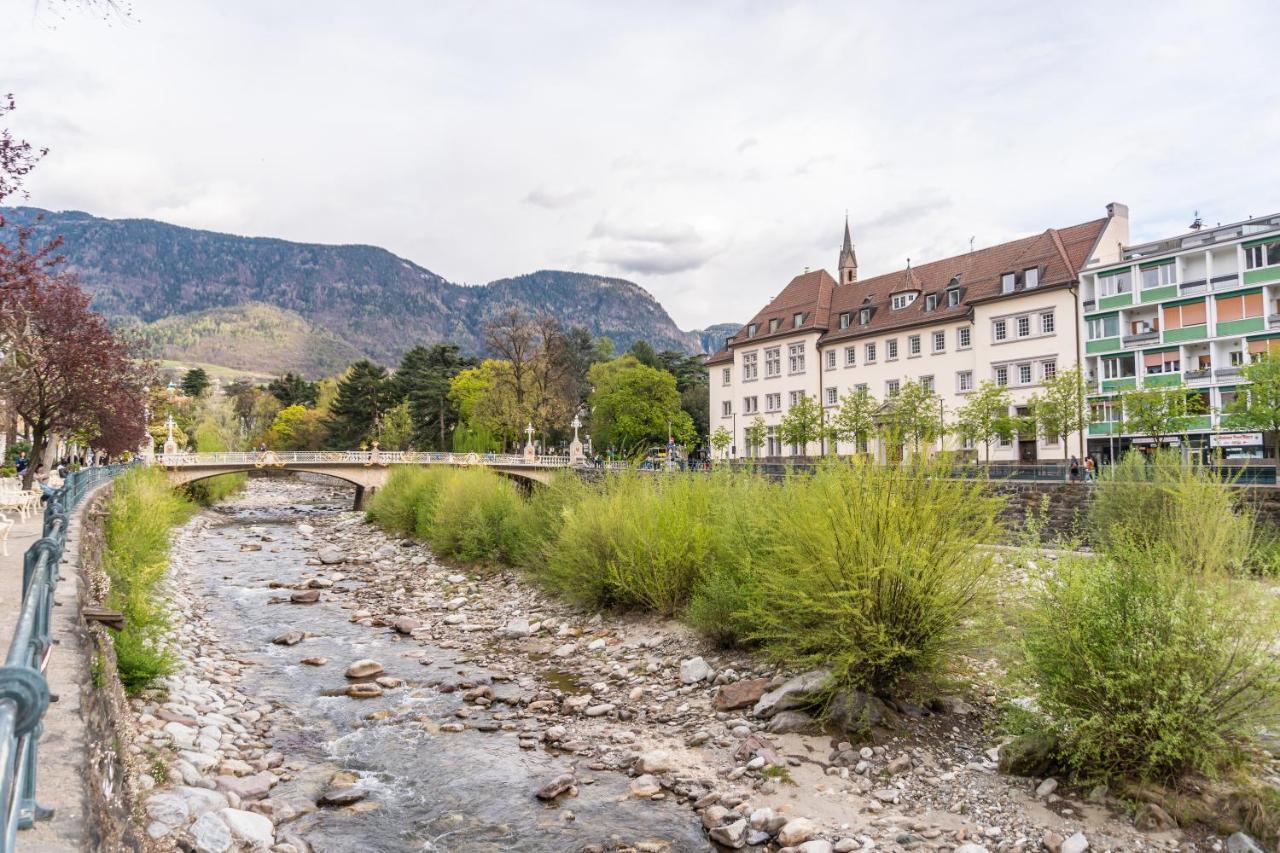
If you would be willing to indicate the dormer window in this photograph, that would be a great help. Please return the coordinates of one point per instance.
(902, 300)
(1030, 278)
(1007, 282)
(774, 324)
(844, 320)
(931, 302)
(953, 298)
(751, 330)
(797, 321)
(864, 316)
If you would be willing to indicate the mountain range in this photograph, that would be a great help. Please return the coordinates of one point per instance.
(268, 305)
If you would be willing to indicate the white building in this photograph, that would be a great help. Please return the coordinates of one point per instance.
(1008, 313)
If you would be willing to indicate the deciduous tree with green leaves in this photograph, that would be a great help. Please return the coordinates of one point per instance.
(757, 433)
(1258, 406)
(633, 406)
(1060, 408)
(855, 420)
(985, 417)
(720, 440)
(1160, 412)
(915, 413)
(802, 424)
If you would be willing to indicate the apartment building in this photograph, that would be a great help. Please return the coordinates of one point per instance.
(1190, 311)
(1008, 313)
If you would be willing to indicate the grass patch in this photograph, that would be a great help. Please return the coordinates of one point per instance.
(141, 510)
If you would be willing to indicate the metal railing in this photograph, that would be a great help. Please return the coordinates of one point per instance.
(282, 458)
(24, 690)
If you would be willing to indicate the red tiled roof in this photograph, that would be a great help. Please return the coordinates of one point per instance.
(1057, 253)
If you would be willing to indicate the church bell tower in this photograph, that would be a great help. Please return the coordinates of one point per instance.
(848, 259)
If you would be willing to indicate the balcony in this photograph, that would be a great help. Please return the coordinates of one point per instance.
(1104, 428)
(1225, 282)
(1191, 288)
(1200, 375)
(1141, 338)
(1228, 372)
(1090, 304)
(1273, 320)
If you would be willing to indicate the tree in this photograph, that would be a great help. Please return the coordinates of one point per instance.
(634, 407)
(292, 390)
(985, 418)
(1060, 409)
(296, 428)
(195, 382)
(720, 440)
(396, 429)
(757, 433)
(513, 337)
(855, 420)
(1258, 406)
(915, 413)
(423, 380)
(802, 424)
(17, 156)
(1160, 412)
(644, 354)
(363, 396)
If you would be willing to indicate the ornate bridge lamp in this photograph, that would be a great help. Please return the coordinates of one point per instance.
(530, 455)
(575, 448)
(170, 444)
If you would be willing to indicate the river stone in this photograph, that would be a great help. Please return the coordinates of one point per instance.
(201, 801)
(363, 668)
(645, 786)
(331, 555)
(555, 787)
(732, 835)
(1029, 755)
(971, 848)
(247, 787)
(856, 714)
(168, 808)
(305, 596)
(790, 722)
(288, 638)
(363, 691)
(1241, 843)
(793, 694)
(250, 546)
(816, 845)
(517, 629)
(342, 796)
(740, 694)
(315, 661)
(654, 761)
(250, 827)
(797, 831)
(406, 625)
(210, 834)
(1151, 818)
(694, 670)
(1075, 844)
(305, 529)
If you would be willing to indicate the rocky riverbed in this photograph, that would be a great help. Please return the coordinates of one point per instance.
(342, 690)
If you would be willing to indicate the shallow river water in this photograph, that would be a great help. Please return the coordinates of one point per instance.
(430, 791)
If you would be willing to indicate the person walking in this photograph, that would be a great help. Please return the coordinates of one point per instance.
(1075, 469)
(1090, 469)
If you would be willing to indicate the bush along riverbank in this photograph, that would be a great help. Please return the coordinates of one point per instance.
(875, 586)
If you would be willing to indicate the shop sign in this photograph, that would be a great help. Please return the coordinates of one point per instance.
(1235, 439)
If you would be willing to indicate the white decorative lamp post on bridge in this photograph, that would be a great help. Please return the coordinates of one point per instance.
(575, 448)
(530, 455)
(170, 443)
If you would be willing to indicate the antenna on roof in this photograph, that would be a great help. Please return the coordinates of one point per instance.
(1196, 223)
(971, 245)
(806, 270)
(908, 263)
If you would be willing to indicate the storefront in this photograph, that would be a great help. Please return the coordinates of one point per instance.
(1236, 445)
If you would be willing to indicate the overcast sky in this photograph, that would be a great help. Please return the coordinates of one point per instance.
(707, 151)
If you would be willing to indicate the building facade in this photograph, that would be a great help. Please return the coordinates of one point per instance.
(1186, 311)
(1008, 313)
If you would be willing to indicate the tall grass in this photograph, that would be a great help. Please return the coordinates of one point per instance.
(396, 505)
(209, 439)
(142, 509)
(472, 517)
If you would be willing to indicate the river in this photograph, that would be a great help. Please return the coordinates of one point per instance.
(428, 790)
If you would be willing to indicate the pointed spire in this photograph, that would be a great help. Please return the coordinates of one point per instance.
(848, 258)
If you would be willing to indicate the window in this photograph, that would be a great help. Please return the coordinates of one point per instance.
(1104, 412)
(774, 324)
(902, 300)
(864, 316)
(1002, 375)
(931, 302)
(891, 388)
(1031, 278)
(797, 320)
(939, 341)
(953, 298)
(871, 354)
(794, 397)
(891, 349)
(1188, 314)
(1000, 330)
(1237, 358)
(1103, 327)
(751, 330)
(749, 406)
(1115, 283)
(963, 337)
(1046, 323)
(1240, 307)
(1007, 281)
(726, 408)
(773, 402)
(773, 362)
(1162, 362)
(849, 356)
(926, 382)
(832, 397)
(844, 320)
(1024, 326)
(831, 359)
(795, 358)
(964, 380)
(726, 376)
(1117, 368)
(913, 345)
(1024, 373)
(1265, 255)
(1048, 369)
(1159, 276)
(750, 366)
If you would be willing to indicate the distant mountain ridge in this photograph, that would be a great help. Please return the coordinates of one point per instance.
(332, 300)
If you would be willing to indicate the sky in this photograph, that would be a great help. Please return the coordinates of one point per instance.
(707, 151)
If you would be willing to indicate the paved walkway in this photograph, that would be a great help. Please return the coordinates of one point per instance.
(61, 782)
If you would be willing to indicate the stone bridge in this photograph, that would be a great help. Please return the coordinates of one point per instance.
(367, 470)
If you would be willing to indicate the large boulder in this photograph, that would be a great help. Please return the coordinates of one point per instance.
(694, 670)
(1033, 754)
(331, 555)
(363, 668)
(210, 834)
(253, 829)
(740, 694)
(856, 715)
(795, 693)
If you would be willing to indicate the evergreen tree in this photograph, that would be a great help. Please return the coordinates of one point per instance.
(292, 390)
(364, 394)
(195, 382)
(423, 380)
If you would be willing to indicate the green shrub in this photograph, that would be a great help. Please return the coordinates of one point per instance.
(142, 509)
(470, 516)
(1164, 501)
(541, 516)
(1146, 668)
(209, 491)
(397, 504)
(875, 571)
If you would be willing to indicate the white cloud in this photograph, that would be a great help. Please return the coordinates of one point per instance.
(448, 133)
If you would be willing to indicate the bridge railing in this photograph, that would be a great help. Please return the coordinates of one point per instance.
(282, 458)
(24, 690)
